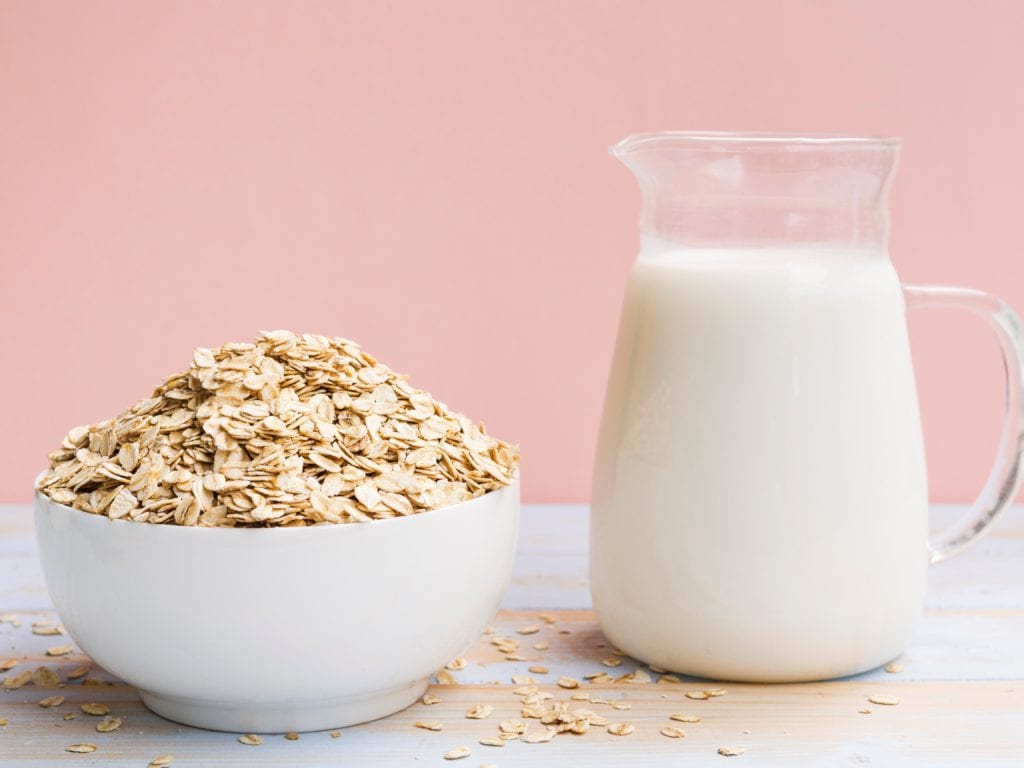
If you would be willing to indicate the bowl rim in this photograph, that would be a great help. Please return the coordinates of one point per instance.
(43, 501)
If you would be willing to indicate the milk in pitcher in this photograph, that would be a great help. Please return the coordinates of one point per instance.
(761, 446)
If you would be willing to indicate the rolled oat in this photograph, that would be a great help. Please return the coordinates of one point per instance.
(287, 431)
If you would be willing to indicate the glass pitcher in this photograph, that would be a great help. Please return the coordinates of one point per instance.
(759, 507)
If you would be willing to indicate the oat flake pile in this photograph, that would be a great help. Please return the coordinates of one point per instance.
(287, 431)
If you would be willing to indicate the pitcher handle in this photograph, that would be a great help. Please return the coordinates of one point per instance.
(1005, 478)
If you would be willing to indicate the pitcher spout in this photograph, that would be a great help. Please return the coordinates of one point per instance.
(752, 189)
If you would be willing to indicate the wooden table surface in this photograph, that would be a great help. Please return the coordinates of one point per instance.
(961, 688)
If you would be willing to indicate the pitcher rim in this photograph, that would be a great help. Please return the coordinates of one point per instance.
(740, 140)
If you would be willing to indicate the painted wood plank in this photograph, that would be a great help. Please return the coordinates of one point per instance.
(935, 723)
(960, 689)
(949, 725)
(987, 577)
(551, 565)
(949, 646)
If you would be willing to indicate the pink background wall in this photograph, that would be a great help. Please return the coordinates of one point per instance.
(431, 180)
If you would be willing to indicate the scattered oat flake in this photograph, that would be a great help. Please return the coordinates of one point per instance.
(47, 630)
(584, 696)
(51, 701)
(697, 695)
(251, 740)
(530, 630)
(479, 711)
(568, 682)
(335, 734)
(444, 677)
(491, 741)
(523, 680)
(685, 718)
(539, 737)
(611, 661)
(429, 725)
(864, 711)
(885, 701)
(8, 664)
(621, 705)
(3, 721)
(456, 754)
(547, 618)
(60, 650)
(620, 729)
(92, 708)
(731, 751)
(893, 667)
(108, 724)
(712, 692)
(429, 698)
(669, 678)
(292, 736)
(457, 664)
(70, 715)
(162, 760)
(512, 726)
(542, 645)
(78, 672)
(537, 669)
(80, 748)
(44, 677)
(515, 657)
(672, 732)
(640, 677)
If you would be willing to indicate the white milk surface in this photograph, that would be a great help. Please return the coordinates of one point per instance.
(759, 507)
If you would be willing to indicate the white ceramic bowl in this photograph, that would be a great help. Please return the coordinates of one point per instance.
(274, 630)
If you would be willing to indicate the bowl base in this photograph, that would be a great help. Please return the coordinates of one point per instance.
(321, 715)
